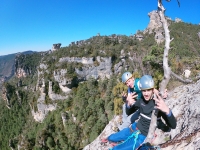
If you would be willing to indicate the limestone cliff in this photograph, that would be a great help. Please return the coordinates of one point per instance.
(89, 69)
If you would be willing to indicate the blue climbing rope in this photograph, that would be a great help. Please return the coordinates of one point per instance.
(136, 137)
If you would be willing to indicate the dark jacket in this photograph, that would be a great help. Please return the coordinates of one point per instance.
(146, 108)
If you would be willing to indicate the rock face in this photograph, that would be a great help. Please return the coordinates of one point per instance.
(89, 69)
(154, 21)
(184, 102)
(96, 144)
(83, 60)
(155, 26)
(186, 73)
(198, 34)
(178, 20)
(56, 46)
(20, 73)
(42, 108)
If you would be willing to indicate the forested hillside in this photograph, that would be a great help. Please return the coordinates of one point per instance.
(84, 112)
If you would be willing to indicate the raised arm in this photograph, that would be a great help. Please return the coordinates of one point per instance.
(166, 112)
(132, 108)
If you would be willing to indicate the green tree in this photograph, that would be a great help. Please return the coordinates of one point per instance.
(50, 142)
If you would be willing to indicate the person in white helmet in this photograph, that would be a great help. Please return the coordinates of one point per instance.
(132, 94)
(132, 137)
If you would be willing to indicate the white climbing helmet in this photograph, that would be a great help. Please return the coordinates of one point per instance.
(126, 76)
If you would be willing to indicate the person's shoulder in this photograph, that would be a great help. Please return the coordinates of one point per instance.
(137, 80)
(137, 83)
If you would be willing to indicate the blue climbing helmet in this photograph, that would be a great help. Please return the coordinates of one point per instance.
(126, 76)
(146, 82)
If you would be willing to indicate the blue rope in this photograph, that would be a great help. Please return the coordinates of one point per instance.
(136, 137)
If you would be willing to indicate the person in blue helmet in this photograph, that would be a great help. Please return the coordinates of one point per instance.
(133, 136)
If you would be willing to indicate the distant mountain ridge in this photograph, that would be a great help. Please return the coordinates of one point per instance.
(25, 52)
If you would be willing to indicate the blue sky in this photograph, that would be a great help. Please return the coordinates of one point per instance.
(38, 24)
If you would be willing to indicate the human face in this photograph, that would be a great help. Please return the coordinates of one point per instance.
(130, 82)
(147, 94)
